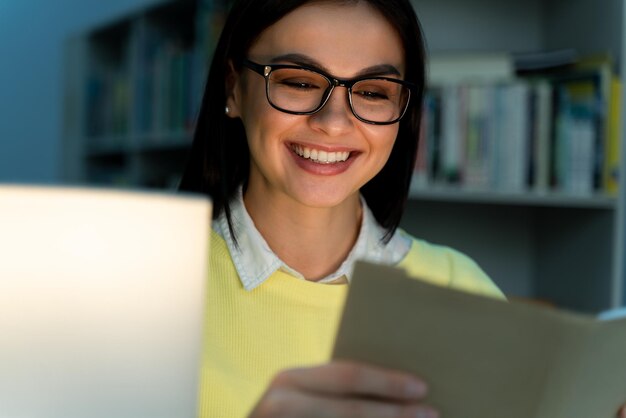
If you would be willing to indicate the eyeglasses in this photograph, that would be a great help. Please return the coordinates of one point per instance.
(303, 91)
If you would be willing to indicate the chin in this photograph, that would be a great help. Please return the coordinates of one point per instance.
(324, 198)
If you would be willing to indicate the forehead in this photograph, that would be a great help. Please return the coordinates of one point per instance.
(344, 38)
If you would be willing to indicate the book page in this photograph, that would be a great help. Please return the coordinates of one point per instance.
(482, 358)
(591, 380)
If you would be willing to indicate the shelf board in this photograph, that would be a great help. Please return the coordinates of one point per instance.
(106, 146)
(528, 198)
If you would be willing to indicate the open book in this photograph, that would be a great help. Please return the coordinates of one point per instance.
(485, 358)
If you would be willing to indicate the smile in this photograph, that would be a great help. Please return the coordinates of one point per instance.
(320, 156)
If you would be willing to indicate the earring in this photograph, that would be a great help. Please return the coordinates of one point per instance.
(227, 110)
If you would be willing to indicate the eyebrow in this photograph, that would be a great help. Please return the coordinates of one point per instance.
(306, 61)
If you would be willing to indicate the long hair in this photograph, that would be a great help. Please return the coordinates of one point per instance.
(219, 160)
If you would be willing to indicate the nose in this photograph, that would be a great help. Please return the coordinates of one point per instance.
(335, 118)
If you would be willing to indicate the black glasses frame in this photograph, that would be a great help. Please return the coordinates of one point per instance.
(266, 69)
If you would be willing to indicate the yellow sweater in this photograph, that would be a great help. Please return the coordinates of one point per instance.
(288, 322)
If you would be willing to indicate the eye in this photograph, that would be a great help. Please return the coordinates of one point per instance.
(297, 80)
(371, 95)
(377, 90)
(299, 84)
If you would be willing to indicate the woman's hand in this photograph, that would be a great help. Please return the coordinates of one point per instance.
(342, 389)
(622, 412)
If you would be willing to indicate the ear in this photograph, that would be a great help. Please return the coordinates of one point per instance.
(233, 91)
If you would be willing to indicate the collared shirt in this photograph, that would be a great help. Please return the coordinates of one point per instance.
(256, 262)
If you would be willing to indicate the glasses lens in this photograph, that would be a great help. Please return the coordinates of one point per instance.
(379, 100)
(296, 90)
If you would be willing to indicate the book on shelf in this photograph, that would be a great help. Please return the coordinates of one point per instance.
(107, 98)
(453, 68)
(556, 131)
(453, 128)
(165, 81)
(610, 107)
(512, 137)
(578, 131)
(541, 108)
(614, 139)
(480, 135)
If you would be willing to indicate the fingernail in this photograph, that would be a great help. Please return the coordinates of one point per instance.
(415, 389)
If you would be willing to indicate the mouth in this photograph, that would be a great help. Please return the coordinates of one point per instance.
(320, 156)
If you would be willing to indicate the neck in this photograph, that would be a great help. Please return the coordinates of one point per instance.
(313, 241)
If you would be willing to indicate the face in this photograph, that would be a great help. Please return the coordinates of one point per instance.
(291, 155)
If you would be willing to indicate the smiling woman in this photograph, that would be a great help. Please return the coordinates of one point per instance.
(321, 195)
(306, 142)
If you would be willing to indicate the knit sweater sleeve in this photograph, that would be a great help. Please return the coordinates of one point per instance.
(447, 267)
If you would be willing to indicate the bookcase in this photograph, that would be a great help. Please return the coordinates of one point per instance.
(133, 86)
(132, 90)
(564, 248)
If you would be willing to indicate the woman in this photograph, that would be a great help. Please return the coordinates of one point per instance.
(306, 142)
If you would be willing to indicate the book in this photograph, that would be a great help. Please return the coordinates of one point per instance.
(428, 159)
(453, 131)
(513, 137)
(481, 357)
(480, 137)
(579, 133)
(478, 67)
(614, 138)
(609, 109)
(420, 173)
(542, 103)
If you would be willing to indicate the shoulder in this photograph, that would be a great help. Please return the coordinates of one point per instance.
(447, 267)
(219, 255)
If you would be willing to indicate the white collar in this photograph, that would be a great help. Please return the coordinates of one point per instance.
(256, 262)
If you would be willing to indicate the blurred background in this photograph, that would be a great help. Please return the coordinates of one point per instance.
(32, 38)
(520, 155)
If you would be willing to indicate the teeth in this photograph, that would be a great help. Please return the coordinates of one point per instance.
(320, 156)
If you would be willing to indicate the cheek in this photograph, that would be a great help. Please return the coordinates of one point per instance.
(264, 124)
(253, 105)
(266, 129)
(255, 116)
(383, 140)
(385, 146)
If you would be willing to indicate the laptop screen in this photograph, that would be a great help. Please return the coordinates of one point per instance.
(101, 302)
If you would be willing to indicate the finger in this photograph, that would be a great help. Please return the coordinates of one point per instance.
(355, 379)
(622, 412)
(368, 408)
(290, 402)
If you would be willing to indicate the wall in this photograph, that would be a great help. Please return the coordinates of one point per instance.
(32, 33)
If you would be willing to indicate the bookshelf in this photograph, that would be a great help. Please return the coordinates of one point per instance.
(562, 244)
(132, 89)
